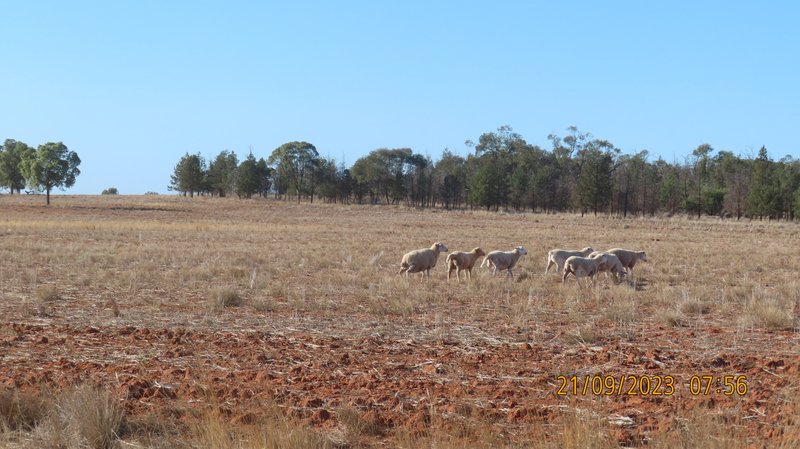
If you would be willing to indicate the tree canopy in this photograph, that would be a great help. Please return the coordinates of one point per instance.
(51, 166)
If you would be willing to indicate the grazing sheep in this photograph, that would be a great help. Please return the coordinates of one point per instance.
(582, 267)
(558, 256)
(628, 258)
(610, 264)
(504, 260)
(459, 260)
(422, 260)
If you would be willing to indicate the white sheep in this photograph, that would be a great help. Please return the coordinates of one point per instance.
(628, 258)
(422, 260)
(460, 260)
(582, 267)
(609, 264)
(557, 257)
(504, 260)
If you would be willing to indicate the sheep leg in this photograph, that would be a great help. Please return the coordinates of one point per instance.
(549, 264)
(564, 278)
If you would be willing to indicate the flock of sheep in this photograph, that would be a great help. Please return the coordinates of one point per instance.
(587, 262)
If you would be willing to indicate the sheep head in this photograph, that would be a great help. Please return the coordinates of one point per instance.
(478, 252)
(521, 250)
(440, 247)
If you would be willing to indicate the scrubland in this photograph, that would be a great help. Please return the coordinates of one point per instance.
(165, 322)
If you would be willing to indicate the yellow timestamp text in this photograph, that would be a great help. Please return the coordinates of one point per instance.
(644, 385)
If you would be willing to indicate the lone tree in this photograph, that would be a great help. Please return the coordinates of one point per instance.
(51, 165)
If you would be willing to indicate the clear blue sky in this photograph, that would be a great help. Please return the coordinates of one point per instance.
(131, 86)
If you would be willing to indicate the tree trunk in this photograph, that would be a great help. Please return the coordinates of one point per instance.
(48, 196)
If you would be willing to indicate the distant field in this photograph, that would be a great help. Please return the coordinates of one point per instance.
(237, 324)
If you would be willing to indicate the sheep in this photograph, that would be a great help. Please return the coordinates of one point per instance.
(628, 258)
(581, 267)
(610, 264)
(504, 260)
(459, 260)
(422, 260)
(558, 256)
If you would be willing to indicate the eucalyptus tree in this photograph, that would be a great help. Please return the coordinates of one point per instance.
(51, 166)
(295, 164)
(450, 173)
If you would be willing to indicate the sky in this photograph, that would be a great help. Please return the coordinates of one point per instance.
(132, 86)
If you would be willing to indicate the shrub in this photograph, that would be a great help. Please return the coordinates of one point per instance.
(110, 191)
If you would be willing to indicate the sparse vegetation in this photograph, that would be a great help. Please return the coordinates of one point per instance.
(225, 297)
(355, 356)
(47, 293)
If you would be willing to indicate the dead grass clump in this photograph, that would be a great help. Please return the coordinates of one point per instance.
(47, 293)
(589, 333)
(20, 411)
(275, 432)
(672, 318)
(354, 426)
(767, 312)
(225, 297)
(585, 431)
(622, 312)
(702, 430)
(693, 306)
(84, 417)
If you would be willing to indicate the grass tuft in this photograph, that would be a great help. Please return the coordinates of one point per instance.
(225, 297)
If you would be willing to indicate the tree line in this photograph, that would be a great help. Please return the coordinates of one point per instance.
(49, 166)
(577, 173)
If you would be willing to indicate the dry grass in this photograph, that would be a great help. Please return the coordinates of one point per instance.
(225, 297)
(332, 270)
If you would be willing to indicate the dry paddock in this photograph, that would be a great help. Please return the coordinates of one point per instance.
(244, 310)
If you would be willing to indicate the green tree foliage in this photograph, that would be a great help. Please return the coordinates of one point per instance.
(595, 169)
(110, 191)
(189, 175)
(700, 154)
(222, 173)
(247, 181)
(12, 153)
(390, 174)
(51, 166)
(264, 173)
(295, 164)
(762, 199)
(450, 173)
(579, 173)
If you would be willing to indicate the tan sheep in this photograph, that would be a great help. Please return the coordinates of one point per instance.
(558, 256)
(628, 258)
(422, 260)
(610, 264)
(582, 267)
(504, 260)
(462, 261)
